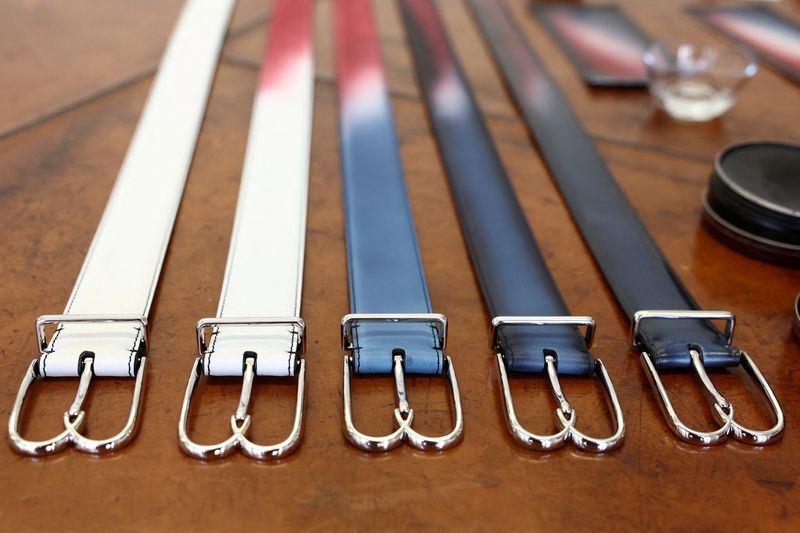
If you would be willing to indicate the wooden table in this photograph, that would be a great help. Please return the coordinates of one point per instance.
(73, 79)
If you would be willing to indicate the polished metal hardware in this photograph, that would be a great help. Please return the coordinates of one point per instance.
(723, 410)
(403, 413)
(75, 416)
(240, 420)
(565, 413)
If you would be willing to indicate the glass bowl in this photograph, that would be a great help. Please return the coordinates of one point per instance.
(697, 82)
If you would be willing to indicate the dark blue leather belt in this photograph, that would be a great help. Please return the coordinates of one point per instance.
(668, 329)
(391, 328)
(532, 331)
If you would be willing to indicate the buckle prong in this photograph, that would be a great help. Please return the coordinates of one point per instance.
(83, 388)
(247, 388)
(400, 386)
(697, 364)
(555, 385)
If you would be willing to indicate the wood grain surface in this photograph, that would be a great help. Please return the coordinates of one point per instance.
(72, 85)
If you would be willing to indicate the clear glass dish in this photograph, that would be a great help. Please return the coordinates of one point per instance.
(697, 82)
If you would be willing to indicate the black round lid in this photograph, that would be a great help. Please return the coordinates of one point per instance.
(767, 174)
(753, 200)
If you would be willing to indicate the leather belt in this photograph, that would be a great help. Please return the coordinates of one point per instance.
(667, 327)
(257, 330)
(531, 329)
(391, 328)
(103, 330)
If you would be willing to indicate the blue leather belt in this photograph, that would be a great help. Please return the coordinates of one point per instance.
(391, 328)
(668, 329)
(532, 331)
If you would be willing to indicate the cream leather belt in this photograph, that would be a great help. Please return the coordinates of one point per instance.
(257, 330)
(103, 330)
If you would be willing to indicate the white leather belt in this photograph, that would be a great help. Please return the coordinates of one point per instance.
(103, 329)
(257, 330)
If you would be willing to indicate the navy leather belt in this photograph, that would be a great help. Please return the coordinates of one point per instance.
(391, 328)
(668, 329)
(532, 331)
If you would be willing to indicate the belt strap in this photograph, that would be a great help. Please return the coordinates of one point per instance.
(391, 328)
(511, 270)
(121, 270)
(103, 330)
(385, 269)
(264, 275)
(257, 330)
(632, 263)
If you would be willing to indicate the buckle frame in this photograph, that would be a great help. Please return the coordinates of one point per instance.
(75, 416)
(46, 320)
(723, 410)
(349, 320)
(500, 321)
(677, 314)
(240, 420)
(204, 323)
(565, 413)
(403, 413)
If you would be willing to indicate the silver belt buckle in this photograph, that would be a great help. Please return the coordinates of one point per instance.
(75, 416)
(565, 412)
(403, 413)
(723, 409)
(240, 420)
